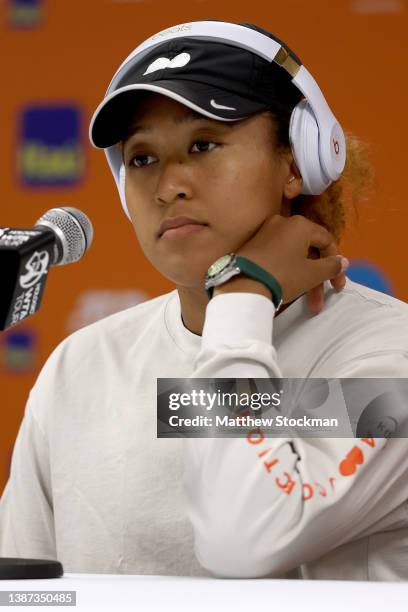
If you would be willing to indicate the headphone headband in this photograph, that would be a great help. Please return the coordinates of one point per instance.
(316, 138)
(216, 31)
(332, 149)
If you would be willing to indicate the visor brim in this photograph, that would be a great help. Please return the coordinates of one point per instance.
(111, 119)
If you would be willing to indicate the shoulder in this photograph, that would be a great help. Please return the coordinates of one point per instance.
(360, 323)
(123, 326)
(375, 301)
(361, 308)
(135, 318)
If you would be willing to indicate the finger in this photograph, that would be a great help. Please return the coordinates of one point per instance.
(338, 282)
(315, 299)
(330, 267)
(317, 235)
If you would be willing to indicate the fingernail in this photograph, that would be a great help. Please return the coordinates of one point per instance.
(344, 263)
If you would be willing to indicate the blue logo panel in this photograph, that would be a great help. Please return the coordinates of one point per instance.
(19, 351)
(24, 13)
(368, 274)
(50, 150)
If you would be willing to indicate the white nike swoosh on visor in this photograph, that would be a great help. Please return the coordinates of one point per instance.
(215, 105)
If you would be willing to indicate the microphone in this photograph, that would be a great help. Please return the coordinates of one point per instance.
(61, 236)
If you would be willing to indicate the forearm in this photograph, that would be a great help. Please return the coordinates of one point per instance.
(237, 338)
(261, 506)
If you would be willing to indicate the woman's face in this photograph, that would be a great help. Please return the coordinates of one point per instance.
(222, 174)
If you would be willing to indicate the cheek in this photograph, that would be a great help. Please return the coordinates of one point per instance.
(142, 221)
(243, 190)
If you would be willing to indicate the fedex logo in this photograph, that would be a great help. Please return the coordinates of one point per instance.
(50, 151)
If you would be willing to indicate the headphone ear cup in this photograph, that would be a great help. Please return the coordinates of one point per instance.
(122, 176)
(304, 140)
(121, 187)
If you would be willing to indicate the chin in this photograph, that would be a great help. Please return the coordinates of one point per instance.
(186, 280)
(184, 271)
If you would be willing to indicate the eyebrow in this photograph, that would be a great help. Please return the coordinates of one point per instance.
(187, 118)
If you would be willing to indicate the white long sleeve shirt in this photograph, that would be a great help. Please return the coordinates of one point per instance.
(92, 486)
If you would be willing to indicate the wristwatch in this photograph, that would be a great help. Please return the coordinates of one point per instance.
(231, 265)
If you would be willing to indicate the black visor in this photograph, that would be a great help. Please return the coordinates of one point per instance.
(218, 80)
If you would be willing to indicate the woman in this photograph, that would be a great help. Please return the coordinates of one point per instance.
(211, 159)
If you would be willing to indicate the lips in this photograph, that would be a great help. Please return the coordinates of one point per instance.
(177, 222)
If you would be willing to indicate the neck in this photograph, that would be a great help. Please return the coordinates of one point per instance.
(194, 302)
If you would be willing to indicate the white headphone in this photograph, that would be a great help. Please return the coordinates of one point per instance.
(316, 138)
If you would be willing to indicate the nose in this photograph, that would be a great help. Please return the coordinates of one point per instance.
(174, 183)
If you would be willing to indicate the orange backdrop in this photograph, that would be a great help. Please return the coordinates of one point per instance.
(65, 52)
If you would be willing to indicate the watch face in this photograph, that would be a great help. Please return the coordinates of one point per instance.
(219, 265)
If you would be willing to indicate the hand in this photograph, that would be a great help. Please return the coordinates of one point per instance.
(315, 296)
(282, 246)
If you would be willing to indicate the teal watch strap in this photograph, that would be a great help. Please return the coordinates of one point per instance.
(251, 269)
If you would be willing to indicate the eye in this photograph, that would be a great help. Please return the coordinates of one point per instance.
(140, 161)
(203, 146)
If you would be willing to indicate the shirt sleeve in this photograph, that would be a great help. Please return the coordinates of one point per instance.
(264, 506)
(26, 512)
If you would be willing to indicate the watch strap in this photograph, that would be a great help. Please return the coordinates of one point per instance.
(251, 269)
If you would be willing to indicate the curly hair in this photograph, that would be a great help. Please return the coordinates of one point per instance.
(330, 208)
(357, 180)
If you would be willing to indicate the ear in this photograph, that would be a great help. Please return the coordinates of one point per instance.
(293, 181)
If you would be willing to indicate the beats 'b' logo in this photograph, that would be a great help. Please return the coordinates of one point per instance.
(336, 146)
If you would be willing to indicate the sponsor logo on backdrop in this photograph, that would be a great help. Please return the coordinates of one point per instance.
(24, 13)
(369, 274)
(96, 304)
(50, 149)
(367, 7)
(18, 350)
